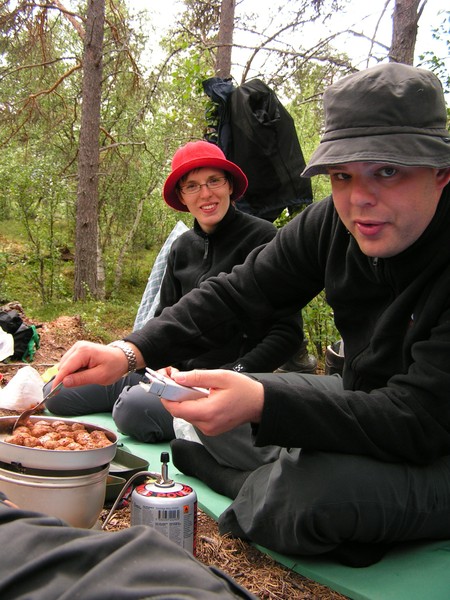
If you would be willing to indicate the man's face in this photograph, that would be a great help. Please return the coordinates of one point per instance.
(386, 207)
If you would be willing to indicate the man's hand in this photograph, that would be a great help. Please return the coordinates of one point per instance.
(234, 399)
(85, 363)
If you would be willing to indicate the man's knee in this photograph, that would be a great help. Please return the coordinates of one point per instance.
(327, 499)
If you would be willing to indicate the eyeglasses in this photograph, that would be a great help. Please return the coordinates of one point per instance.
(211, 184)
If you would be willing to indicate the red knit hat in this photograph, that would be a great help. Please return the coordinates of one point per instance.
(197, 155)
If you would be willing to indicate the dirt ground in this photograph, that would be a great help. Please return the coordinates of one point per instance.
(255, 571)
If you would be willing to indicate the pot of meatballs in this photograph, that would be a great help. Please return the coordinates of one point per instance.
(57, 466)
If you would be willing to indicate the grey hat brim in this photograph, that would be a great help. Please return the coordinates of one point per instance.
(411, 150)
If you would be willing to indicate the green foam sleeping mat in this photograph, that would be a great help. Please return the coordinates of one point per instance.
(410, 571)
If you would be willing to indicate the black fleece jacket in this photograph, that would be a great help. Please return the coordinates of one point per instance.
(393, 315)
(194, 257)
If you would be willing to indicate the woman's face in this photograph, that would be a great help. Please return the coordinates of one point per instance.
(207, 203)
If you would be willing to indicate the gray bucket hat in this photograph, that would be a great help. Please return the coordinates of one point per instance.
(391, 113)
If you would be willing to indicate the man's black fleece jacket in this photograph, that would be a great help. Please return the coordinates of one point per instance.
(393, 315)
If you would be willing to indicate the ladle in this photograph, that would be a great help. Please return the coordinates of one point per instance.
(23, 417)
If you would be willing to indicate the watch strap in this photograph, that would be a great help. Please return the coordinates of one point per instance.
(129, 353)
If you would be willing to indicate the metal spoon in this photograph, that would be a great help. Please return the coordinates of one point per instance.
(22, 418)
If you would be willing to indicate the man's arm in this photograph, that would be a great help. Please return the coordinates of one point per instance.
(266, 288)
(282, 340)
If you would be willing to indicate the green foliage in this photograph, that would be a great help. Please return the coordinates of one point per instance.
(36, 197)
(3, 267)
(40, 133)
(438, 64)
(318, 324)
(103, 321)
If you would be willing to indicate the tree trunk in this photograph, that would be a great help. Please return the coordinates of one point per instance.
(225, 39)
(404, 30)
(86, 242)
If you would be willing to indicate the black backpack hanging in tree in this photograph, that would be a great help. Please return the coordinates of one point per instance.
(256, 132)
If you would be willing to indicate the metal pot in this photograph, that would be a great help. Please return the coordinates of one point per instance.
(62, 460)
(77, 497)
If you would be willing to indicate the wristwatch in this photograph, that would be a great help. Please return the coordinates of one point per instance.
(129, 353)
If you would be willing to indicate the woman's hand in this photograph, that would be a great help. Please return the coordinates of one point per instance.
(85, 363)
(234, 399)
(168, 371)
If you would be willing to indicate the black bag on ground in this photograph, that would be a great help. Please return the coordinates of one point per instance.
(26, 337)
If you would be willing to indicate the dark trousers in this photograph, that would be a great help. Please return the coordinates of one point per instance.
(43, 559)
(308, 502)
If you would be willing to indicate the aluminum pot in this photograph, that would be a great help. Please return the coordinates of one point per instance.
(77, 497)
(67, 460)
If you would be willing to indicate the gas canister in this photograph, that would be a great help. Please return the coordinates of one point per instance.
(167, 506)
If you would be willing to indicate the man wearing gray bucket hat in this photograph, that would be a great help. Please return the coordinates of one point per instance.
(374, 464)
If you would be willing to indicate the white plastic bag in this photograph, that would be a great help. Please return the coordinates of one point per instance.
(185, 431)
(23, 391)
(6, 344)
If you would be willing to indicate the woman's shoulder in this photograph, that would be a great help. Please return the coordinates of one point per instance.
(184, 239)
(256, 223)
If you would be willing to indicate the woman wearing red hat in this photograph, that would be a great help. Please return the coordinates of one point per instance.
(203, 182)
